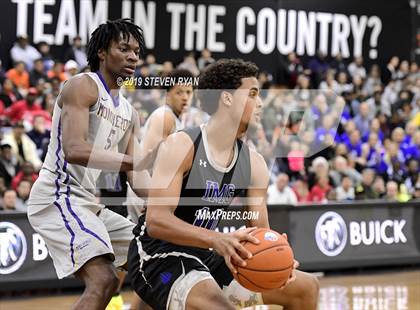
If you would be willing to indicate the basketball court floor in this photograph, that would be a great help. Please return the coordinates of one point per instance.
(363, 291)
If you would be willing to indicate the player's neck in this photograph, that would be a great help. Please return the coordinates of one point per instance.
(220, 135)
(110, 81)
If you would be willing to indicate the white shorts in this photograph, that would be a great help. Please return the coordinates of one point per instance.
(76, 231)
(239, 296)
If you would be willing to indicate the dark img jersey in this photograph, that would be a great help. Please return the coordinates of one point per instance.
(208, 189)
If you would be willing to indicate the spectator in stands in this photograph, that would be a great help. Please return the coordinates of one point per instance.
(395, 163)
(26, 173)
(412, 176)
(57, 72)
(362, 119)
(343, 85)
(9, 200)
(391, 191)
(167, 67)
(8, 93)
(24, 109)
(319, 167)
(189, 64)
(40, 136)
(23, 190)
(356, 68)
(390, 71)
(318, 66)
(154, 68)
(300, 187)
(8, 163)
(19, 76)
(373, 83)
(338, 64)
(77, 52)
(37, 73)
(22, 51)
(364, 190)
(280, 192)
(70, 68)
(354, 145)
(341, 168)
(293, 68)
(374, 104)
(47, 58)
(205, 59)
(379, 187)
(346, 190)
(329, 83)
(22, 146)
(320, 190)
(416, 194)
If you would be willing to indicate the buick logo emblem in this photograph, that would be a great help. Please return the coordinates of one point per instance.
(331, 233)
(12, 248)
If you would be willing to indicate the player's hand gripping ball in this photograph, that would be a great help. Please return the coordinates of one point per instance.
(271, 264)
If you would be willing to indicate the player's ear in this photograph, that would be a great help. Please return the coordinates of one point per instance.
(227, 98)
(101, 54)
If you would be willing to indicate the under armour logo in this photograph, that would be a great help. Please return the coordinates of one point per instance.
(203, 163)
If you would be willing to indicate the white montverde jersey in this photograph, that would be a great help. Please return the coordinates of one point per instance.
(110, 125)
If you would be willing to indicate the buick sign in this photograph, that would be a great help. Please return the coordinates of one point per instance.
(331, 233)
(12, 248)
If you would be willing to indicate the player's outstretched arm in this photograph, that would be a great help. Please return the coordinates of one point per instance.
(257, 191)
(77, 96)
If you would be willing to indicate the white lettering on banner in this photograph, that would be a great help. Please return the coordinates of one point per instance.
(388, 232)
(42, 18)
(195, 25)
(340, 34)
(213, 28)
(266, 29)
(245, 42)
(358, 26)
(90, 19)
(66, 24)
(306, 33)
(176, 9)
(147, 21)
(286, 45)
(257, 30)
(22, 16)
(324, 20)
(40, 251)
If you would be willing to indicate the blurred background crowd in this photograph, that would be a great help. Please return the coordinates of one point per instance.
(331, 129)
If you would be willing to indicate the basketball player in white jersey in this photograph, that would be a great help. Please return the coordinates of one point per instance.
(93, 130)
(161, 123)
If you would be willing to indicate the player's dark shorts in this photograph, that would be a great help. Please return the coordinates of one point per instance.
(155, 265)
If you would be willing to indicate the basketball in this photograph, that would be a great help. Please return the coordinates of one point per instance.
(271, 263)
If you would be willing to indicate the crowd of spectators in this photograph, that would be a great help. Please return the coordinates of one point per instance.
(331, 130)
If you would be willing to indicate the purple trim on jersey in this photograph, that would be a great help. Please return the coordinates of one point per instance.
(57, 194)
(67, 199)
(66, 223)
(115, 100)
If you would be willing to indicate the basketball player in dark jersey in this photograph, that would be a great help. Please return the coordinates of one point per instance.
(201, 170)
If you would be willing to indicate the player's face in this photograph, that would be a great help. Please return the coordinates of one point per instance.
(122, 56)
(179, 98)
(247, 100)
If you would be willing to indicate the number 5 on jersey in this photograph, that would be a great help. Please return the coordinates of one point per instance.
(109, 139)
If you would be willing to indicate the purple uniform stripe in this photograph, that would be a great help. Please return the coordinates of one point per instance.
(57, 195)
(67, 199)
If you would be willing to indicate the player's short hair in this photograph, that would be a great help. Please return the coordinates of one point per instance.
(111, 31)
(224, 74)
(180, 75)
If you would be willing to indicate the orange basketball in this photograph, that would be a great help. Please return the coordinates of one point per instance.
(271, 263)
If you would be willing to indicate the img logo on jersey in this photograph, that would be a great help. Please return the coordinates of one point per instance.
(216, 195)
(12, 248)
